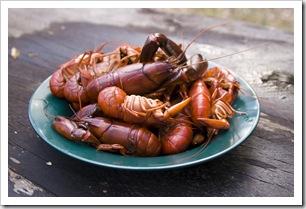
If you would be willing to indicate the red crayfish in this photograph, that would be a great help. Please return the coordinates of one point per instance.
(192, 102)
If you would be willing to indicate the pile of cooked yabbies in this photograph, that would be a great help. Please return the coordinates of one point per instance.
(144, 101)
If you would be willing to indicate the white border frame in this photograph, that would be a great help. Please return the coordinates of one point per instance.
(296, 200)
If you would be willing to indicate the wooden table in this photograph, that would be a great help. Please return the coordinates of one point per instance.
(263, 166)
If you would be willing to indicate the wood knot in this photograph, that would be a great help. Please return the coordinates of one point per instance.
(277, 76)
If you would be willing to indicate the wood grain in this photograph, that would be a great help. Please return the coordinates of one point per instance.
(262, 166)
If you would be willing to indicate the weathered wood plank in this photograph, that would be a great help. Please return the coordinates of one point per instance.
(19, 186)
(262, 166)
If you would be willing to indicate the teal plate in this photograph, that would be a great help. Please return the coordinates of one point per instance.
(42, 102)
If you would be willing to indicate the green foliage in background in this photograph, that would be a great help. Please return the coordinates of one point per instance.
(273, 17)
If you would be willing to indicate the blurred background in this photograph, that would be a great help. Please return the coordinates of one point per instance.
(271, 17)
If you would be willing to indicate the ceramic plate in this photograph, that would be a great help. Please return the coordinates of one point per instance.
(43, 101)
